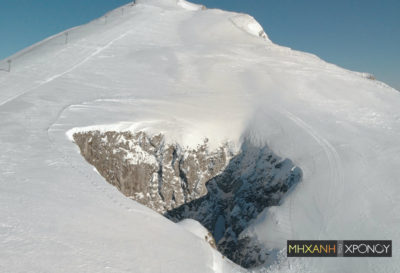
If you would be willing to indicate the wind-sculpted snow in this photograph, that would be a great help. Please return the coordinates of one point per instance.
(189, 6)
(249, 25)
(189, 74)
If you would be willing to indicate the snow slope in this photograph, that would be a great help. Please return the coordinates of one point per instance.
(191, 74)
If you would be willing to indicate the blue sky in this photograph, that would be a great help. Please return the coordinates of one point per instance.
(361, 35)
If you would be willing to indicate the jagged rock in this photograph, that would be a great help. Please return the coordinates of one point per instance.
(221, 191)
(253, 180)
(210, 239)
(159, 175)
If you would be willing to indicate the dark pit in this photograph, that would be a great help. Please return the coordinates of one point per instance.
(222, 190)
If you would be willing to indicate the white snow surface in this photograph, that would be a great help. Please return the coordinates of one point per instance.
(249, 25)
(189, 6)
(191, 74)
(194, 227)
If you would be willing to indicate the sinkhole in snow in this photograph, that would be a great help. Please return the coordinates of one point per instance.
(222, 190)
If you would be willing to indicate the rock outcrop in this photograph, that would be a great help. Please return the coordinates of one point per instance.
(159, 175)
(253, 180)
(222, 191)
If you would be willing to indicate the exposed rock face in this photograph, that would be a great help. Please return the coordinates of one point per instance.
(221, 191)
(158, 175)
(210, 239)
(253, 180)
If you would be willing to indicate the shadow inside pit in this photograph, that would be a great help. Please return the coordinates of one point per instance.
(254, 179)
(162, 176)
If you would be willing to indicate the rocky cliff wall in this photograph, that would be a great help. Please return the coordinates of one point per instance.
(221, 190)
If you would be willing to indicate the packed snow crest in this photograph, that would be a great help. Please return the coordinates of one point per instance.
(228, 144)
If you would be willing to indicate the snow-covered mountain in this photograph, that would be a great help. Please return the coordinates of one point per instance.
(193, 113)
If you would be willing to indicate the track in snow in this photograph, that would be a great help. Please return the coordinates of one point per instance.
(56, 76)
(333, 158)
